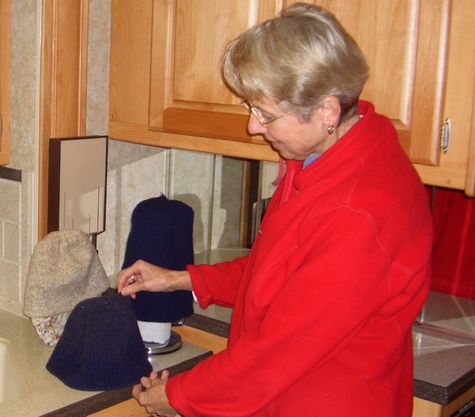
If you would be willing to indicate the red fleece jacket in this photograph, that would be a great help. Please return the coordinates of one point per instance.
(324, 302)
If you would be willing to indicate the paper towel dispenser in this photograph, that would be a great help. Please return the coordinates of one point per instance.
(77, 175)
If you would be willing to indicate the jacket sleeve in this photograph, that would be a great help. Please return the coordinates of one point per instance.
(343, 279)
(218, 283)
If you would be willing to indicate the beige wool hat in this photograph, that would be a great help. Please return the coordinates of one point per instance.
(64, 270)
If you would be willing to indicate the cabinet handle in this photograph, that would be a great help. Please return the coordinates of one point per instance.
(445, 135)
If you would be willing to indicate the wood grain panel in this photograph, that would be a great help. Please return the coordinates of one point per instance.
(187, 43)
(131, 28)
(405, 43)
(215, 124)
(128, 132)
(201, 338)
(421, 73)
(470, 184)
(63, 81)
(129, 408)
(456, 168)
(424, 408)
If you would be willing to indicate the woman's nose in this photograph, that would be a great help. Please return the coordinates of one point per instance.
(254, 127)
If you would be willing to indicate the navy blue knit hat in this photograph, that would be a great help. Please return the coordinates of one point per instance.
(101, 347)
(162, 234)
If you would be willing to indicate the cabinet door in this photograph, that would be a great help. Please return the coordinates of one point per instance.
(131, 35)
(456, 167)
(187, 94)
(5, 12)
(404, 42)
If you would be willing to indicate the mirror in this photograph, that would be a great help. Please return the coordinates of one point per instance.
(228, 196)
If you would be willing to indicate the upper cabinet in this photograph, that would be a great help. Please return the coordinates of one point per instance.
(456, 164)
(187, 93)
(421, 78)
(5, 13)
(405, 43)
(166, 87)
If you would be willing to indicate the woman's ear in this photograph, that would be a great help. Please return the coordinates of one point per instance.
(330, 111)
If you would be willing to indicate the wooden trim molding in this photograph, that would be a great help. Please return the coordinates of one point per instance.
(258, 149)
(63, 89)
(204, 123)
(470, 185)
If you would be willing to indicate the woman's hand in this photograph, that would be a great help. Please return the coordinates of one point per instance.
(150, 393)
(144, 276)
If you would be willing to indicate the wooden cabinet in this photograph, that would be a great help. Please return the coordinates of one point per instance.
(63, 84)
(403, 42)
(456, 167)
(5, 13)
(166, 88)
(421, 77)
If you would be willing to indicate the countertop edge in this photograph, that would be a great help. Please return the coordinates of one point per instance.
(208, 324)
(109, 398)
(430, 392)
(444, 395)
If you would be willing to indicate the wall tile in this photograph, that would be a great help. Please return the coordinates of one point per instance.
(10, 288)
(211, 185)
(16, 243)
(140, 178)
(227, 203)
(191, 181)
(11, 241)
(10, 200)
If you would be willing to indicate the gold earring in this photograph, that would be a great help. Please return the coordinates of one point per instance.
(330, 129)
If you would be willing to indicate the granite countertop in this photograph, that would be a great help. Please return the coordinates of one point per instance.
(444, 363)
(106, 399)
(444, 352)
(444, 348)
(444, 366)
(43, 393)
(443, 340)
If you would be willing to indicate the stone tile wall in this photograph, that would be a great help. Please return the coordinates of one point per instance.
(10, 239)
(15, 239)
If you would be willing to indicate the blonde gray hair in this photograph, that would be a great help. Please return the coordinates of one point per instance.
(297, 59)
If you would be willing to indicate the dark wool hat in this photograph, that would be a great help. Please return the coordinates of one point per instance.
(101, 347)
(161, 233)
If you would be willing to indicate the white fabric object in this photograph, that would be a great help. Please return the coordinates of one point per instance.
(50, 328)
(153, 332)
(64, 270)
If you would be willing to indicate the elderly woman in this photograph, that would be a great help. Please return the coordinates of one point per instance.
(324, 302)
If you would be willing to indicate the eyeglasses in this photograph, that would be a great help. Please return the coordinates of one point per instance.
(262, 117)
